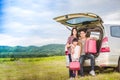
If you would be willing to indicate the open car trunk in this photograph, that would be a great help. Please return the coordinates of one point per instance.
(96, 32)
(89, 21)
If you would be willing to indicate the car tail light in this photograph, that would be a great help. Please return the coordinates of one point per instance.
(105, 47)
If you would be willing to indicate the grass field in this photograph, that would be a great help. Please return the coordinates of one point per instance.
(47, 68)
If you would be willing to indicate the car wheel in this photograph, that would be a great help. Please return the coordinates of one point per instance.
(119, 66)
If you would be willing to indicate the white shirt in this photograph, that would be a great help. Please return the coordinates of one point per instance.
(76, 52)
(83, 45)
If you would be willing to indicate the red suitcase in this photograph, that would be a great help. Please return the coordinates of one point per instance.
(75, 65)
(90, 46)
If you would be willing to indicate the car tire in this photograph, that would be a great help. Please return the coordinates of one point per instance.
(119, 66)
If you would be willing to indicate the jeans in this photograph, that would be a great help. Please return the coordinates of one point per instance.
(83, 58)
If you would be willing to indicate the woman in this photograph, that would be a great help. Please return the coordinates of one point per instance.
(68, 48)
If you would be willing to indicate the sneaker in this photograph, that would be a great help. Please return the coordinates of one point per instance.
(71, 78)
(92, 73)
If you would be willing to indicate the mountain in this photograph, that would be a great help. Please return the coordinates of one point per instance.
(52, 49)
(32, 51)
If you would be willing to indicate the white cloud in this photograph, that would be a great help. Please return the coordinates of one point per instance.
(17, 27)
(112, 18)
(27, 41)
(28, 14)
(85, 2)
(78, 4)
(19, 12)
(28, 21)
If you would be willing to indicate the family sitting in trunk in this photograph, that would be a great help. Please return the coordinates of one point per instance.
(74, 50)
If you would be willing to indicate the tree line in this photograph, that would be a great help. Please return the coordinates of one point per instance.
(31, 51)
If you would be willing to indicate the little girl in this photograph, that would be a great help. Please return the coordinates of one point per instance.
(75, 52)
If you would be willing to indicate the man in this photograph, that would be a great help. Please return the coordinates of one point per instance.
(83, 57)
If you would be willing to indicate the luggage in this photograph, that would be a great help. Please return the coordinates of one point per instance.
(95, 35)
(75, 65)
(90, 46)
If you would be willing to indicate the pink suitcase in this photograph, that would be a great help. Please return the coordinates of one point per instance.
(75, 65)
(90, 46)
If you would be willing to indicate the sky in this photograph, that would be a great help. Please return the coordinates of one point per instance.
(30, 22)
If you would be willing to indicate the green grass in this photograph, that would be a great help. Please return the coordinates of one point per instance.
(47, 68)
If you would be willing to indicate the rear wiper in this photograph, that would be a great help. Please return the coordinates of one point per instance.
(86, 22)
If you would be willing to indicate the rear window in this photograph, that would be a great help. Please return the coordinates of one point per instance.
(115, 31)
(79, 20)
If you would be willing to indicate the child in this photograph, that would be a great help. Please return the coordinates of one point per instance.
(75, 52)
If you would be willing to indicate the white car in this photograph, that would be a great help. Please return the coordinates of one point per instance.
(108, 37)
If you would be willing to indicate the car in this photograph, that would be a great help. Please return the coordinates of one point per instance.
(107, 36)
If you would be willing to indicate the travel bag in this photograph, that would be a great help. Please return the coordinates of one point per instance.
(90, 46)
(75, 65)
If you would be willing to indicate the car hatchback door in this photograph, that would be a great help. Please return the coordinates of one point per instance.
(79, 19)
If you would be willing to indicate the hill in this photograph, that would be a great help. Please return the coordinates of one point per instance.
(32, 51)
